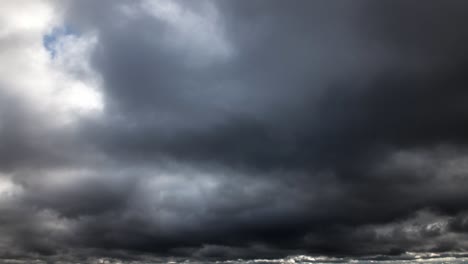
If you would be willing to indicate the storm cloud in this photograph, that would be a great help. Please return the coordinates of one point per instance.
(214, 130)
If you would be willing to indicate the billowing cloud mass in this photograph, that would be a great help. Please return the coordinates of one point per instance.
(166, 130)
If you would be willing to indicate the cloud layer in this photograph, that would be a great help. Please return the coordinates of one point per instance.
(232, 129)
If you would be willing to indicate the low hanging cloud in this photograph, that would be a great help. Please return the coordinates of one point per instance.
(155, 131)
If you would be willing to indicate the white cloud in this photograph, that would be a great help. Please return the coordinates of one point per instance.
(25, 16)
(62, 87)
(8, 189)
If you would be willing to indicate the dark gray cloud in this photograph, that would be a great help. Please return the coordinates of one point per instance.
(229, 129)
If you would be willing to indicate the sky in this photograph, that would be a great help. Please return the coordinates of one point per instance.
(264, 131)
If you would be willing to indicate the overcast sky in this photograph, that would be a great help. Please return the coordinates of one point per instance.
(215, 130)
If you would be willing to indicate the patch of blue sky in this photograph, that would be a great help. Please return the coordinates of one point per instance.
(50, 40)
